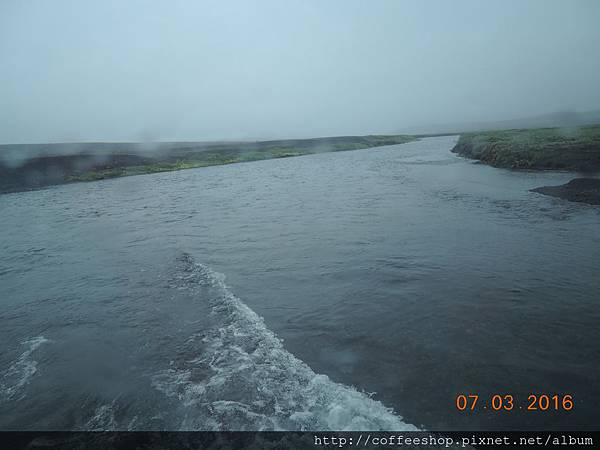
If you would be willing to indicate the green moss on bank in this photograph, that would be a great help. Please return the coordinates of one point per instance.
(576, 149)
(234, 155)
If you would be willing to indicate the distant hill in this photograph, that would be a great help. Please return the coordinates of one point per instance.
(556, 119)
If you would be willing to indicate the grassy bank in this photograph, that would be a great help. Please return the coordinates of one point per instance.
(43, 165)
(576, 148)
(192, 162)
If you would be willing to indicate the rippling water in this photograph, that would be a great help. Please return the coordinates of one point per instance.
(397, 278)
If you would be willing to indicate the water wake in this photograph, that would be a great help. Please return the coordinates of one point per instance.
(21, 371)
(238, 376)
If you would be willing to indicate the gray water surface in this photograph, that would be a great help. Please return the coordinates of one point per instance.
(397, 278)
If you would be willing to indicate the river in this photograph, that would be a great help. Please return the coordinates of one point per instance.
(354, 290)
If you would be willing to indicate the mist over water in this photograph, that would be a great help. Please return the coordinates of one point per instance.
(351, 290)
(211, 70)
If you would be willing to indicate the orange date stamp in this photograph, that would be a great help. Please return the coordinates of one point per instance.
(507, 402)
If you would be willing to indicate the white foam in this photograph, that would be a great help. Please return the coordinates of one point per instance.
(21, 371)
(103, 419)
(243, 379)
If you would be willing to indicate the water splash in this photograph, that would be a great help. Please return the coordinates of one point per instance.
(237, 375)
(19, 374)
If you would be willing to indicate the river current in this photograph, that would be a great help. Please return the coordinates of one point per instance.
(352, 290)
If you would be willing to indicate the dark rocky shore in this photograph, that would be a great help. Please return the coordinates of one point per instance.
(585, 190)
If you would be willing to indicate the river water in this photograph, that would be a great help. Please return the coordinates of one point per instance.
(353, 290)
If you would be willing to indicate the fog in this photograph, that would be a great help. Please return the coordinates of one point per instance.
(187, 70)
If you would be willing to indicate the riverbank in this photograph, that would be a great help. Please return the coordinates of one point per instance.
(584, 190)
(576, 149)
(25, 167)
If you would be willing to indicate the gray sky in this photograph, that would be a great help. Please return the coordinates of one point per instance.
(112, 70)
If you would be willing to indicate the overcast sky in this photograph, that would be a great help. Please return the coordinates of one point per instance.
(112, 70)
